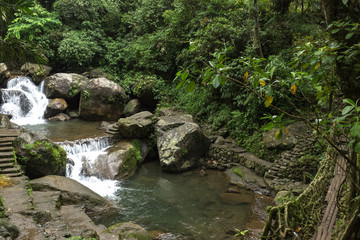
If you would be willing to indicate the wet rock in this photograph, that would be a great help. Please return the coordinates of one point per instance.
(55, 106)
(180, 142)
(72, 192)
(5, 121)
(72, 114)
(139, 125)
(4, 75)
(120, 161)
(102, 100)
(59, 117)
(64, 85)
(129, 231)
(132, 107)
(35, 71)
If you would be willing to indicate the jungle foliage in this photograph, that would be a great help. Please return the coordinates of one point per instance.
(240, 66)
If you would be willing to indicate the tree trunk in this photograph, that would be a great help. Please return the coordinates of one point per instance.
(257, 30)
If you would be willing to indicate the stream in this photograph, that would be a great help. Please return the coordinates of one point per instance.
(188, 205)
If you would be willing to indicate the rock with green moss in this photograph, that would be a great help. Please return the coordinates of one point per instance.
(139, 125)
(145, 90)
(129, 231)
(180, 142)
(120, 161)
(39, 155)
(102, 100)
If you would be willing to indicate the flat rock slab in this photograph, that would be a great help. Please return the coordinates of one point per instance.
(16, 199)
(28, 230)
(47, 202)
(249, 180)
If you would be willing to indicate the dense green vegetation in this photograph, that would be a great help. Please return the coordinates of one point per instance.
(265, 62)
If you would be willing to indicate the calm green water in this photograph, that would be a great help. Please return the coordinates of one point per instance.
(187, 205)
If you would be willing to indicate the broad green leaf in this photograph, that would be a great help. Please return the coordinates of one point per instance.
(349, 35)
(347, 109)
(180, 84)
(355, 130)
(216, 81)
(184, 76)
(207, 75)
(190, 87)
(272, 72)
(349, 101)
(345, 1)
(278, 134)
(340, 119)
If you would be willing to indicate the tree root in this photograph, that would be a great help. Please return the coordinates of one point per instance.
(300, 217)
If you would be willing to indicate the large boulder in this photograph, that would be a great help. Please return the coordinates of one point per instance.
(39, 155)
(129, 231)
(55, 106)
(36, 71)
(132, 107)
(180, 142)
(60, 118)
(64, 85)
(139, 125)
(4, 75)
(102, 99)
(5, 121)
(294, 132)
(72, 193)
(120, 161)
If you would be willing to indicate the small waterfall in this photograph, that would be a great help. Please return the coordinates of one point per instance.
(25, 101)
(88, 150)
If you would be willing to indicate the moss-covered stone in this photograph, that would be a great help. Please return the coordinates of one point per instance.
(42, 158)
(129, 231)
(133, 158)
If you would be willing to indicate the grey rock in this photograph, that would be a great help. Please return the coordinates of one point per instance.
(64, 85)
(102, 100)
(132, 107)
(36, 71)
(60, 117)
(139, 125)
(55, 106)
(120, 161)
(180, 142)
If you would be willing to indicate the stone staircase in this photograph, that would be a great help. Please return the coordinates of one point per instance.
(8, 164)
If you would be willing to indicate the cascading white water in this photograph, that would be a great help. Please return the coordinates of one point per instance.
(25, 101)
(88, 150)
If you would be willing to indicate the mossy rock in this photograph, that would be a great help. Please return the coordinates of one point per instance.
(40, 157)
(129, 231)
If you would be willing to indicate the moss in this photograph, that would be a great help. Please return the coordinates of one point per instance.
(2, 208)
(133, 159)
(43, 156)
(138, 236)
(5, 181)
(238, 172)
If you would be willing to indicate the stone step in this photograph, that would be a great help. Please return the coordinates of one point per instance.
(14, 169)
(7, 139)
(7, 154)
(9, 132)
(6, 165)
(5, 144)
(17, 174)
(7, 160)
(6, 149)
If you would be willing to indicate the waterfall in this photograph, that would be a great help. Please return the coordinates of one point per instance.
(25, 101)
(88, 150)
